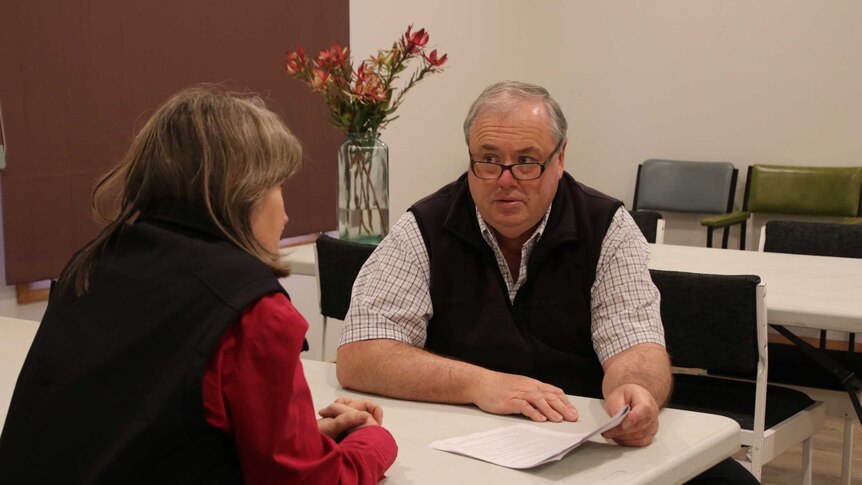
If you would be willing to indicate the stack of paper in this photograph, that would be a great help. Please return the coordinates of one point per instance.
(521, 445)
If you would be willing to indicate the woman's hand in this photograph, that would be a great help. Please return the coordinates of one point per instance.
(345, 415)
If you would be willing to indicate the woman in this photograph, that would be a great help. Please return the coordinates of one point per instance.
(169, 352)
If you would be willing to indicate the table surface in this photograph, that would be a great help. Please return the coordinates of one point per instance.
(803, 291)
(687, 443)
(302, 259)
(15, 338)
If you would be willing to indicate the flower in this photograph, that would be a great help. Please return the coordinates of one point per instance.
(364, 99)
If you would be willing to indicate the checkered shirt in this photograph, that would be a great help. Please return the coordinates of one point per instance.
(391, 297)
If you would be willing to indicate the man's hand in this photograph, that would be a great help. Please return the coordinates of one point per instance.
(500, 393)
(641, 424)
(345, 415)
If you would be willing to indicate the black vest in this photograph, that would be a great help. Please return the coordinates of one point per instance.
(111, 390)
(545, 333)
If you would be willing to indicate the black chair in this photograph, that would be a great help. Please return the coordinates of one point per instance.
(338, 264)
(814, 239)
(832, 376)
(718, 322)
(685, 186)
(651, 225)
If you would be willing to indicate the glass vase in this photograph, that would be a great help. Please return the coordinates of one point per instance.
(363, 188)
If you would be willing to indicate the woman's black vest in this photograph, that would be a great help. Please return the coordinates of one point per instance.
(111, 390)
(545, 332)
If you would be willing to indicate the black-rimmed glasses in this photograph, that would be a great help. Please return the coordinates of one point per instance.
(521, 171)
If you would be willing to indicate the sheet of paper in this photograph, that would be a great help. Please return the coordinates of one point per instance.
(521, 445)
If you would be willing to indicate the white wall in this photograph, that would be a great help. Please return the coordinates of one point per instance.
(771, 81)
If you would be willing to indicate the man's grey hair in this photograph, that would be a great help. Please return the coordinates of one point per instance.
(501, 97)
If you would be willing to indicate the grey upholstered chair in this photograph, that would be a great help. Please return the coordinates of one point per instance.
(718, 322)
(686, 186)
(338, 264)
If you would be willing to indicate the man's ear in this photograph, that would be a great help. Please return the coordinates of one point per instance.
(563, 153)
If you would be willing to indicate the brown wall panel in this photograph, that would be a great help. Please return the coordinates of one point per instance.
(79, 77)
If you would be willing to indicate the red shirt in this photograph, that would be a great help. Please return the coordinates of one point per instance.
(255, 390)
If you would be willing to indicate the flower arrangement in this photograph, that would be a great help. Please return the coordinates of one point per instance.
(361, 102)
(364, 99)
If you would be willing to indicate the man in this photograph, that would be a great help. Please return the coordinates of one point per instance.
(512, 286)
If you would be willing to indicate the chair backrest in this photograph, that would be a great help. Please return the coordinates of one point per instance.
(681, 186)
(712, 321)
(816, 191)
(338, 263)
(813, 238)
(649, 222)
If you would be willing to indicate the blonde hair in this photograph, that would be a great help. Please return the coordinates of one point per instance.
(215, 150)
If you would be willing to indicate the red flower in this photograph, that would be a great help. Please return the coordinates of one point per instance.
(415, 41)
(364, 99)
(319, 79)
(295, 61)
(433, 60)
(331, 57)
(370, 88)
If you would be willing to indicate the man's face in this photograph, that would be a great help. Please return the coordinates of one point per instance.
(510, 206)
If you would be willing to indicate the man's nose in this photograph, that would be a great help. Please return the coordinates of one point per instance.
(506, 179)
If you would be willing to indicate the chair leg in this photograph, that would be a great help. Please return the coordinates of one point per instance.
(323, 341)
(807, 462)
(851, 342)
(847, 457)
(724, 237)
(823, 340)
(709, 237)
(755, 461)
(742, 235)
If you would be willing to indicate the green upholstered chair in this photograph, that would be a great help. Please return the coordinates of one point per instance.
(685, 186)
(802, 191)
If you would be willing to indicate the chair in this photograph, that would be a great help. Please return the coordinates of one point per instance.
(718, 322)
(681, 186)
(814, 239)
(651, 225)
(338, 264)
(835, 372)
(800, 191)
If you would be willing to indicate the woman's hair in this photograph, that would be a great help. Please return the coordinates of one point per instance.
(215, 150)
(502, 96)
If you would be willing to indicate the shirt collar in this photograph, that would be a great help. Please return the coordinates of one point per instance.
(491, 237)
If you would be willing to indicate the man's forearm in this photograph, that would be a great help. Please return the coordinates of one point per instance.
(646, 365)
(395, 369)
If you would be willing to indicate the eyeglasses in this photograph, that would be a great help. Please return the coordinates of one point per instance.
(521, 171)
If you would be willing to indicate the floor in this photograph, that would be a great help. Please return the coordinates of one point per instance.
(786, 469)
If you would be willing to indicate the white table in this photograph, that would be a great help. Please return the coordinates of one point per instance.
(301, 258)
(687, 442)
(819, 292)
(15, 338)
